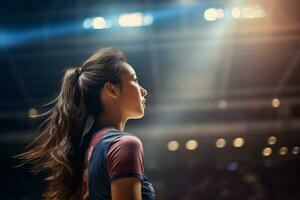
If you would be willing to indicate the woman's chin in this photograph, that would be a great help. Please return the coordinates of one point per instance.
(140, 114)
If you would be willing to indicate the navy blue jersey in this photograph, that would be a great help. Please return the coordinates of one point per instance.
(113, 155)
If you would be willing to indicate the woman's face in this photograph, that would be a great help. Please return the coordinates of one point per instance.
(132, 95)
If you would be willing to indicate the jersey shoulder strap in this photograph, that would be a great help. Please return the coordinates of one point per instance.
(103, 134)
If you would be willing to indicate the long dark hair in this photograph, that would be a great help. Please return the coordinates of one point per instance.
(56, 150)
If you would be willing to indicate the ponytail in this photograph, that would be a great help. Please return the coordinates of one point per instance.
(56, 149)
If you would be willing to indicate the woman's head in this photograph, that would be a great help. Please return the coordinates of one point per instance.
(106, 79)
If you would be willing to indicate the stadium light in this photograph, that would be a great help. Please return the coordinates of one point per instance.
(212, 14)
(295, 150)
(191, 145)
(272, 140)
(99, 23)
(87, 23)
(147, 20)
(96, 23)
(238, 142)
(220, 143)
(248, 12)
(173, 145)
(236, 12)
(283, 151)
(267, 151)
(275, 103)
(135, 20)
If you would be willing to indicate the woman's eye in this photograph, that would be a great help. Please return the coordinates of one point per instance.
(136, 80)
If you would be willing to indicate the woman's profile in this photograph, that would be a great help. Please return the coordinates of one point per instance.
(82, 145)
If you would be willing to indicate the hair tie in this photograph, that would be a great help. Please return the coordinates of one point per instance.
(77, 72)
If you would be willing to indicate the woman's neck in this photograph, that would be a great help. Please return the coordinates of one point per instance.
(110, 118)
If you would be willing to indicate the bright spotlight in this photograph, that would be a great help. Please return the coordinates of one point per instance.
(236, 12)
(147, 20)
(173, 145)
(87, 23)
(238, 142)
(295, 150)
(131, 20)
(191, 145)
(99, 23)
(220, 143)
(275, 103)
(135, 20)
(212, 14)
(220, 13)
(272, 140)
(283, 151)
(248, 12)
(267, 151)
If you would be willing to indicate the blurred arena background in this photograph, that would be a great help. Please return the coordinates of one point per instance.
(223, 78)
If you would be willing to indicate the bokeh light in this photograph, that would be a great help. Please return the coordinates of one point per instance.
(173, 145)
(191, 145)
(238, 142)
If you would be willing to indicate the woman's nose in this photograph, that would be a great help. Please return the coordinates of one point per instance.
(143, 91)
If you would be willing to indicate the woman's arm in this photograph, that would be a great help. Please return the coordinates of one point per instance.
(126, 189)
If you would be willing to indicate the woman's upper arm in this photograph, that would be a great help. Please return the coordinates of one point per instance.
(126, 189)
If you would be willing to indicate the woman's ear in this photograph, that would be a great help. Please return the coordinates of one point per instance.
(111, 90)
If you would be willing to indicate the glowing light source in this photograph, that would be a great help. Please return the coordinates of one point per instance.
(248, 12)
(99, 23)
(295, 150)
(238, 142)
(33, 113)
(191, 145)
(212, 14)
(275, 103)
(267, 151)
(173, 145)
(220, 143)
(87, 23)
(272, 140)
(220, 13)
(147, 20)
(236, 12)
(283, 151)
(135, 20)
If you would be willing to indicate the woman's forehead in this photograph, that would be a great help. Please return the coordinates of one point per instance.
(129, 71)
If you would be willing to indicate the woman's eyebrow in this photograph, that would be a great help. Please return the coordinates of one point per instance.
(132, 75)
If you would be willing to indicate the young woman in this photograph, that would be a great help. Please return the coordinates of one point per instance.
(82, 145)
